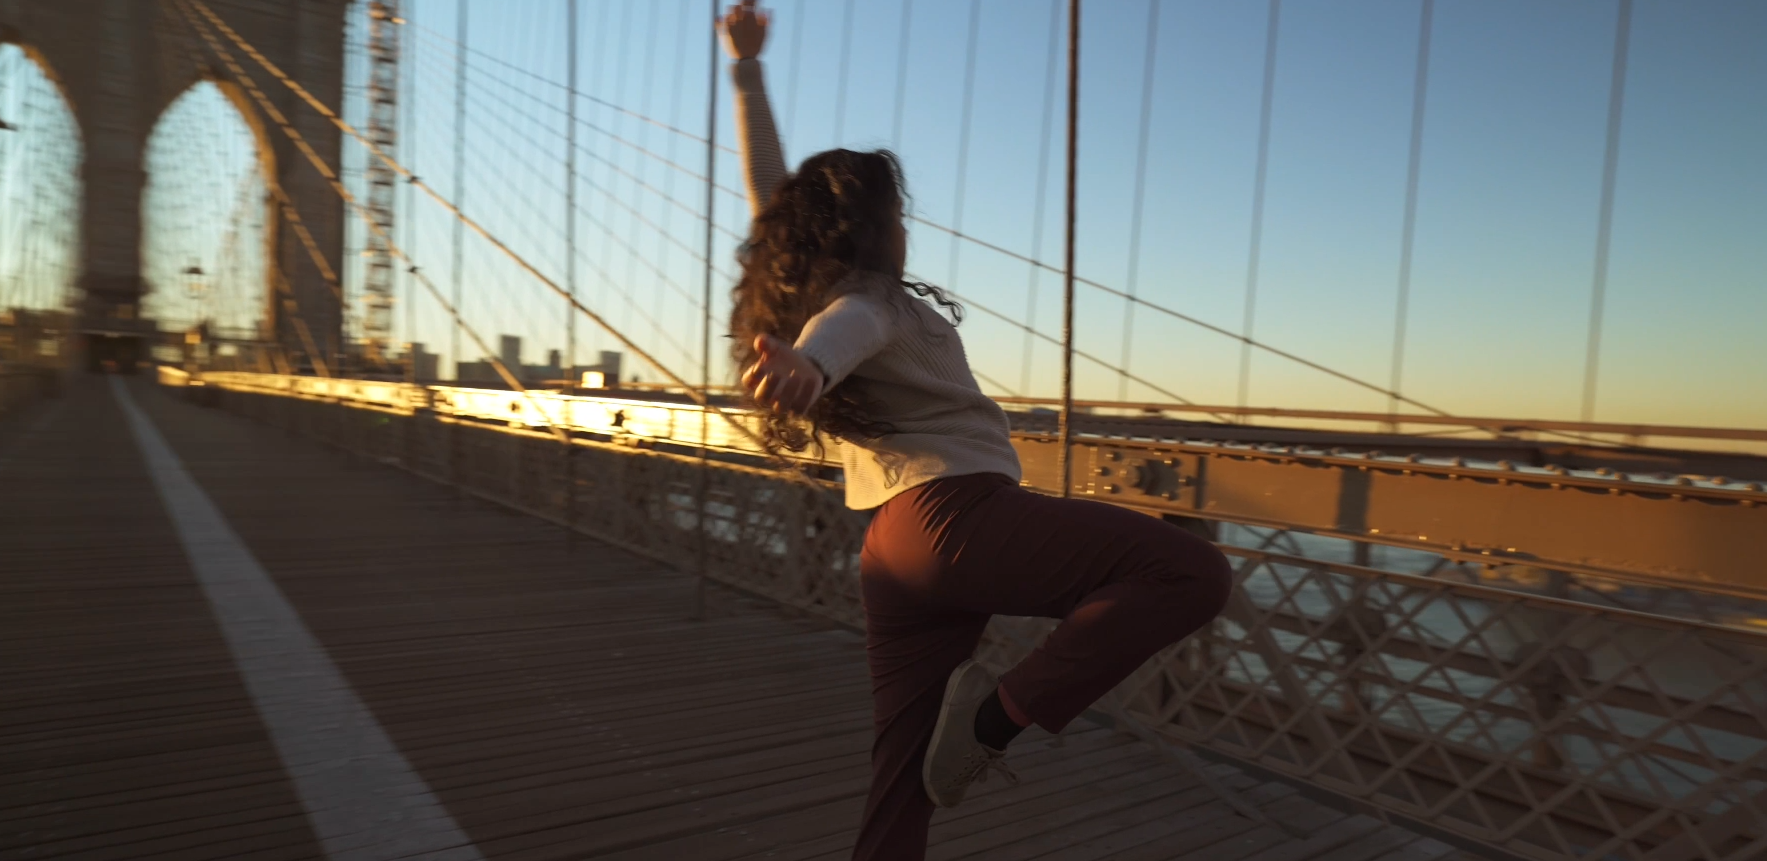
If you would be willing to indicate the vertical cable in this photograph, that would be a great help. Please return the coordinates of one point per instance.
(643, 140)
(1251, 277)
(410, 126)
(1042, 188)
(619, 124)
(459, 225)
(901, 75)
(569, 371)
(666, 235)
(840, 92)
(791, 83)
(1604, 230)
(570, 192)
(969, 91)
(1419, 89)
(1153, 30)
(705, 331)
(459, 170)
(1064, 458)
(603, 33)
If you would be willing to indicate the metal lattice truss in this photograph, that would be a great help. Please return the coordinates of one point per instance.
(1547, 727)
(383, 114)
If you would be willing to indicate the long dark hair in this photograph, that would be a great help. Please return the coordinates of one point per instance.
(836, 216)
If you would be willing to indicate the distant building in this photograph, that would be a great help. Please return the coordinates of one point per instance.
(509, 354)
(476, 372)
(427, 364)
(603, 374)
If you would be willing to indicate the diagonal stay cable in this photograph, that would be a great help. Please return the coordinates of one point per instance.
(630, 249)
(585, 95)
(476, 81)
(285, 203)
(995, 383)
(245, 80)
(792, 469)
(581, 148)
(955, 233)
(635, 213)
(1185, 317)
(1251, 343)
(592, 125)
(972, 303)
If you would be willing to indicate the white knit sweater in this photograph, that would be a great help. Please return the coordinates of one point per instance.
(909, 359)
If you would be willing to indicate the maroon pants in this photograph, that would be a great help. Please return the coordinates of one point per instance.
(941, 558)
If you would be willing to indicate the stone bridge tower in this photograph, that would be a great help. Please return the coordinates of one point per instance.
(120, 64)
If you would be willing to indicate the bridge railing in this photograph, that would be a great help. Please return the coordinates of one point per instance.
(1541, 727)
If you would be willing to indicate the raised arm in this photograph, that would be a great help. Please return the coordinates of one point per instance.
(745, 31)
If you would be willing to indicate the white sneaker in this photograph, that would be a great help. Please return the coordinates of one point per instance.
(954, 758)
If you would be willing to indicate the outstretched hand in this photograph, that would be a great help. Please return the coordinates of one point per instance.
(745, 30)
(782, 380)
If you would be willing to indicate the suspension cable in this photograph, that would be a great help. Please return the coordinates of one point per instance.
(1605, 225)
(1247, 342)
(1031, 333)
(793, 469)
(840, 87)
(275, 114)
(1038, 207)
(969, 89)
(1065, 429)
(1140, 193)
(1408, 235)
(901, 75)
(1256, 248)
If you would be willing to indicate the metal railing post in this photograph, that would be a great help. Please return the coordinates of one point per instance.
(1064, 456)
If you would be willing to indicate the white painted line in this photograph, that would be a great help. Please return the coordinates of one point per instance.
(364, 801)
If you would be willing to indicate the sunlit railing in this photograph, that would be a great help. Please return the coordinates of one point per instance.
(1549, 728)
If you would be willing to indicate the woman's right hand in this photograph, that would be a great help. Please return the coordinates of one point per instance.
(782, 379)
(745, 30)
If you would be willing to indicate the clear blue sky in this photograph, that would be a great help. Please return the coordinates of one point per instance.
(1506, 215)
(1507, 206)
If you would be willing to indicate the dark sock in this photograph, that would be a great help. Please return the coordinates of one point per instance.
(993, 727)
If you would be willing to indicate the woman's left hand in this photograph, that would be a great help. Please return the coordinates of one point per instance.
(782, 380)
(745, 30)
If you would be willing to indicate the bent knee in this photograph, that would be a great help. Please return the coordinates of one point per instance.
(1198, 574)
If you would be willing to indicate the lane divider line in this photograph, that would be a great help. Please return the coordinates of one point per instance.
(363, 799)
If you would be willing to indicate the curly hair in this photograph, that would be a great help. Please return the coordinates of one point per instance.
(836, 216)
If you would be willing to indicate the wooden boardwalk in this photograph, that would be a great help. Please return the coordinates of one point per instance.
(551, 695)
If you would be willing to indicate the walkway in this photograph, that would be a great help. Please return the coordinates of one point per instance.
(338, 660)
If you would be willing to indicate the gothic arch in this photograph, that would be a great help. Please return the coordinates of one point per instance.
(119, 64)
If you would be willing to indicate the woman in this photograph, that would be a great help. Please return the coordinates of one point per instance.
(832, 340)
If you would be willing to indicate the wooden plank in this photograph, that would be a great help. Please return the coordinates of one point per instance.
(95, 586)
(552, 694)
(1340, 833)
(1191, 829)
(1424, 849)
(1234, 843)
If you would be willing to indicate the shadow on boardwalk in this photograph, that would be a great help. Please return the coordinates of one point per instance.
(551, 694)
